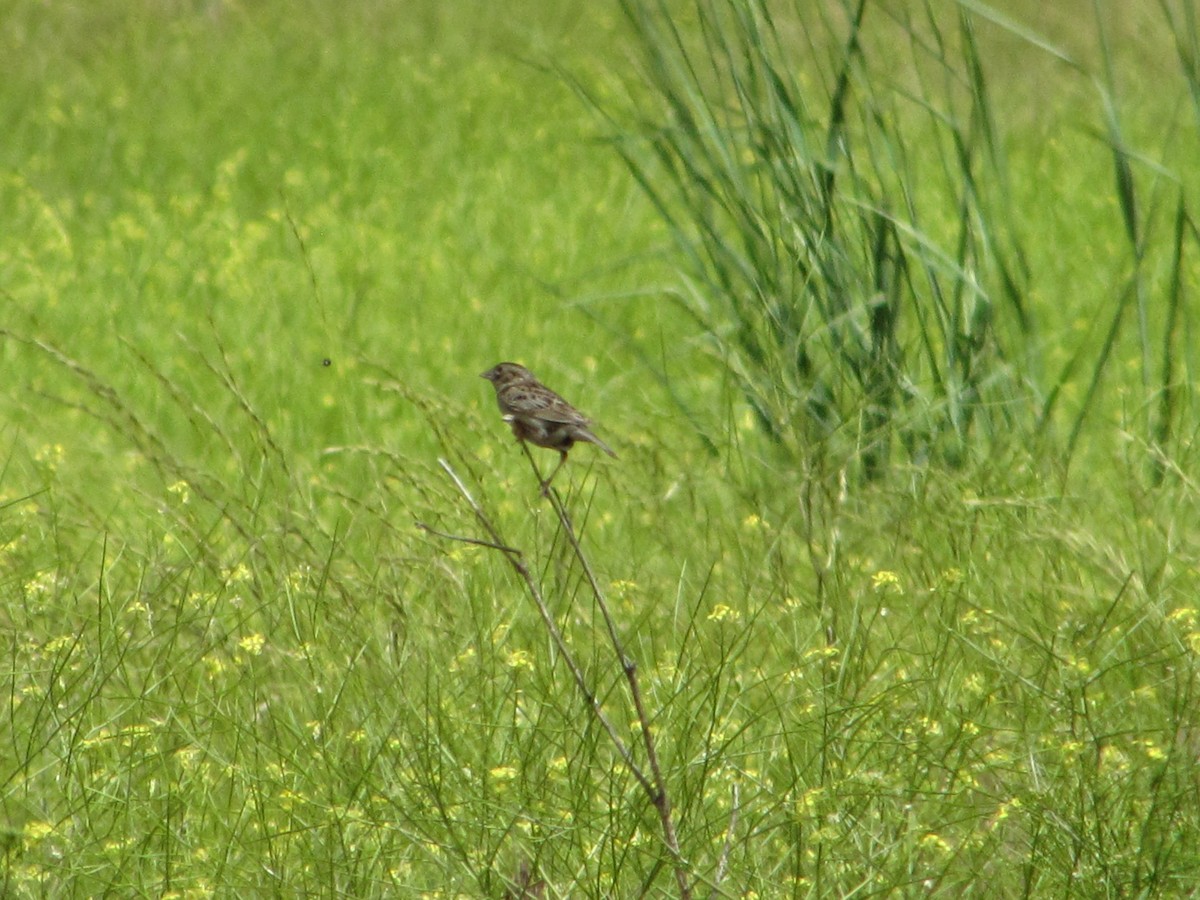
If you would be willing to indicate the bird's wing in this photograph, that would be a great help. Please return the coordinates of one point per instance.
(564, 413)
(546, 405)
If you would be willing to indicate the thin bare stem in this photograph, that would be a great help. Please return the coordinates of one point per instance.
(723, 862)
(467, 540)
(516, 560)
(655, 784)
(658, 794)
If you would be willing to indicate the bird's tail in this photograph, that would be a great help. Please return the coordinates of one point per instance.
(585, 435)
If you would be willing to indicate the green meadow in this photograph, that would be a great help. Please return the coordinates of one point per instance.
(894, 589)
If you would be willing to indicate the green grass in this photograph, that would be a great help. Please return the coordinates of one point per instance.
(854, 234)
(235, 666)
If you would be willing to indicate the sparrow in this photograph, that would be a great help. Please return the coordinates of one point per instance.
(538, 415)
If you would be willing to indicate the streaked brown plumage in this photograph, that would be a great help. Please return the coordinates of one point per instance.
(538, 415)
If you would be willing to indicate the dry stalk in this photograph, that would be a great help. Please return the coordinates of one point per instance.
(653, 783)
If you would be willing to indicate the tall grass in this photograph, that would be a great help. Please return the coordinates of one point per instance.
(851, 243)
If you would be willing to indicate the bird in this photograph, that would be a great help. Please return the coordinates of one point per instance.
(539, 415)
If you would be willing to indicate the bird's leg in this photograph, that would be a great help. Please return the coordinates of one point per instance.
(546, 484)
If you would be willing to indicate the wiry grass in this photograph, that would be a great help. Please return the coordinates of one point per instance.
(236, 666)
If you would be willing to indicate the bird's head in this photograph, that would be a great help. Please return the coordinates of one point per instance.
(506, 373)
